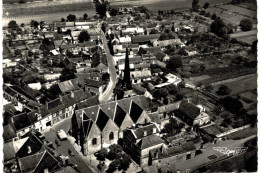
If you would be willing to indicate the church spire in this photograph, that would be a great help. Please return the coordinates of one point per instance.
(127, 80)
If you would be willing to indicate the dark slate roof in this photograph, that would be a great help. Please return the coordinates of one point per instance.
(120, 115)
(102, 120)
(149, 141)
(139, 132)
(9, 151)
(68, 86)
(6, 117)
(9, 132)
(37, 162)
(188, 146)
(67, 169)
(55, 105)
(10, 107)
(30, 162)
(87, 125)
(20, 121)
(47, 161)
(189, 109)
(93, 83)
(88, 44)
(92, 101)
(135, 112)
(160, 55)
(109, 109)
(144, 38)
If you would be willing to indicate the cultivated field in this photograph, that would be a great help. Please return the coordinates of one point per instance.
(232, 14)
(240, 86)
(41, 8)
(155, 5)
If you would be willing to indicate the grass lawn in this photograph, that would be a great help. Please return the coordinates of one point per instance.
(242, 133)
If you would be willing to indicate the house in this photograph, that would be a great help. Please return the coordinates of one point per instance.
(184, 151)
(102, 125)
(139, 140)
(145, 39)
(162, 56)
(67, 86)
(173, 42)
(39, 162)
(191, 114)
(93, 86)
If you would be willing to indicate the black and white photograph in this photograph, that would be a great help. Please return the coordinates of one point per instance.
(129, 86)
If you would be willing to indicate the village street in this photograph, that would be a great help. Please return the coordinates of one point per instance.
(65, 145)
(107, 94)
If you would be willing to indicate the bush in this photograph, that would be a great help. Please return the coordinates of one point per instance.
(246, 24)
(83, 36)
(223, 90)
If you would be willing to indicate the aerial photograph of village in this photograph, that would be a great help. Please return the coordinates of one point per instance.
(129, 86)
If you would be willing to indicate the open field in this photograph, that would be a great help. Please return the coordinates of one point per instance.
(16, 1)
(240, 10)
(240, 86)
(155, 5)
(18, 12)
(228, 16)
(243, 133)
(247, 37)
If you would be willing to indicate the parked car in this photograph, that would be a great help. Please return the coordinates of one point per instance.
(62, 135)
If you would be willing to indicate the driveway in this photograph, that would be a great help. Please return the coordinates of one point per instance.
(108, 93)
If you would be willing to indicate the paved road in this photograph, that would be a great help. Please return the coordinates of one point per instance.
(107, 94)
(65, 145)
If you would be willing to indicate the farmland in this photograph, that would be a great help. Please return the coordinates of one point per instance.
(246, 84)
(155, 5)
(231, 14)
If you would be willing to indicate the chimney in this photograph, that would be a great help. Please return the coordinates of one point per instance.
(145, 133)
(72, 94)
(60, 97)
(46, 170)
(154, 130)
(29, 149)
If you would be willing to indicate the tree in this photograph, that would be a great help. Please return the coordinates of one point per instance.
(125, 161)
(195, 5)
(71, 17)
(101, 9)
(113, 12)
(223, 90)
(214, 16)
(159, 93)
(174, 62)
(34, 24)
(216, 27)
(12, 24)
(113, 166)
(246, 24)
(104, 27)
(231, 104)
(114, 150)
(209, 87)
(62, 20)
(154, 31)
(83, 36)
(85, 16)
(101, 154)
(67, 74)
(182, 52)
(206, 5)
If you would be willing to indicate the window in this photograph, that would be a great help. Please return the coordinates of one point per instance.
(94, 141)
(111, 136)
